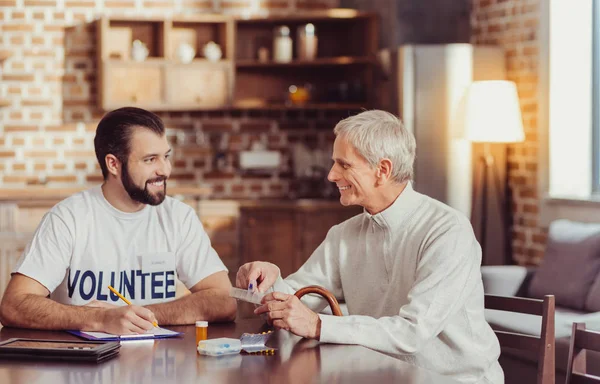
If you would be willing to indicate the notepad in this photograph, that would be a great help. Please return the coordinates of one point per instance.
(155, 333)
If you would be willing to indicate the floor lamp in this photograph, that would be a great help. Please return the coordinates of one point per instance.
(492, 115)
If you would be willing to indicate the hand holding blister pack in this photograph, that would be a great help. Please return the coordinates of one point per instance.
(246, 295)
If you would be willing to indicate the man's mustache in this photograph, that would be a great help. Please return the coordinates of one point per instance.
(158, 179)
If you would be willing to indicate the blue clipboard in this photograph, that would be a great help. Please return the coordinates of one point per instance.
(101, 336)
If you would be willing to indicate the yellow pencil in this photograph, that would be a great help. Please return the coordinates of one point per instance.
(125, 300)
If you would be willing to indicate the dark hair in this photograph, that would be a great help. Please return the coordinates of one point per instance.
(113, 134)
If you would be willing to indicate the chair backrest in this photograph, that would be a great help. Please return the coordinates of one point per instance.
(543, 345)
(581, 340)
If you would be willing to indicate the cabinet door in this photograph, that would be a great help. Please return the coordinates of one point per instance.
(197, 85)
(269, 235)
(137, 86)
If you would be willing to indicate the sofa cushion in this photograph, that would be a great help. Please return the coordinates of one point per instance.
(592, 302)
(571, 263)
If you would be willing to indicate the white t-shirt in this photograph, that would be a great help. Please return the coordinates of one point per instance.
(84, 244)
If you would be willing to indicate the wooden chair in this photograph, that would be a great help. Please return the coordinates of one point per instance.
(542, 345)
(581, 340)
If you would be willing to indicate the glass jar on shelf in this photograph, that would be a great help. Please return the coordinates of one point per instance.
(282, 45)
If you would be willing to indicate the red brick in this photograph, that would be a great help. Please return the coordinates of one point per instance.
(9, 77)
(6, 154)
(37, 154)
(8, 3)
(94, 178)
(17, 40)
(61, 128)
(41, 3)
(20, 128)
(37, 103)
(19, 141)
(217, 126)
(257, 126)
(119, 4)
(17, 27)
(80, 154)
(39, 167)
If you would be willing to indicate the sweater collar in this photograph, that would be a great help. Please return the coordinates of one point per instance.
(400, 209)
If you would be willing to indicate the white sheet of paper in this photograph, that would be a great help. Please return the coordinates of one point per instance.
(154, 331)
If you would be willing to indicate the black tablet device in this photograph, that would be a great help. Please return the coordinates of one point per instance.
(90, 351)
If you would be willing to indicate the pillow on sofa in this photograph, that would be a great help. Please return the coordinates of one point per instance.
(592, 302)
(571, 263)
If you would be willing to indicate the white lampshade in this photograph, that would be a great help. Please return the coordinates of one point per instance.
(492, 112)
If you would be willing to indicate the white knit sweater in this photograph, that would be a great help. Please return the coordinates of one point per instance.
(410, 276)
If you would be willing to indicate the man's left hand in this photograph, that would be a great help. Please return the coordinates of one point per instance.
(288, 312)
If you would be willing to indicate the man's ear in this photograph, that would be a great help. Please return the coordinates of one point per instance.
(113, 164)
(384, 171)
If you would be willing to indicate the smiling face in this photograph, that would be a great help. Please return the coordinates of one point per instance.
(148, 167)
(353, 175)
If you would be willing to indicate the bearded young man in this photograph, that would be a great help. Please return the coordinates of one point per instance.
(125, 233)
(408, 267)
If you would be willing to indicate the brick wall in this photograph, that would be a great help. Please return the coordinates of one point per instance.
(513, 25)
(47, 82)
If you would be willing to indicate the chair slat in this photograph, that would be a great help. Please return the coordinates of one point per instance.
(581, 378)
(544, 345)
(587, 339)
(515, 304)
(518, 341)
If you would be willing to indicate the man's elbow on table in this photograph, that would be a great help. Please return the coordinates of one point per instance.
(229, 309)
(8, 313)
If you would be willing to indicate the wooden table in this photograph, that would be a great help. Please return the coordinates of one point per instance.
(176, 361)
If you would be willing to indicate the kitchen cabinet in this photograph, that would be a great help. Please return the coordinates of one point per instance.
(339, 77)
(286, 235)
(161, 81)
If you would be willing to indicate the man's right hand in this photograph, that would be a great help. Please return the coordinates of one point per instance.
(127, 320)
(263, 273)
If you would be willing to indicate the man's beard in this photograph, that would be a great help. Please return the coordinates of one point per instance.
(142, 195)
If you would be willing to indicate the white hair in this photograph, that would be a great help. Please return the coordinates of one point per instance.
(377, 135)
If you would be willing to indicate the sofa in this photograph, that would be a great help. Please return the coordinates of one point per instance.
(570, 270)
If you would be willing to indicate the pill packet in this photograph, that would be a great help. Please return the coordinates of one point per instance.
(256, 342)
(249, 343)
(245, 295)
(219, 347)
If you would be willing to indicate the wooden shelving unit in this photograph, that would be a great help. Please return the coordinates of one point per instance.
(319, 62)
(161, 81)
(340, 77)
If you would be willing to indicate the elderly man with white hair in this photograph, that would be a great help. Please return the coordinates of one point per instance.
(408, 267)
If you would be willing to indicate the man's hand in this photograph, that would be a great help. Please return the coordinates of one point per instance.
(262, 273)
(288, 312)
(100, 304)
(127, 320)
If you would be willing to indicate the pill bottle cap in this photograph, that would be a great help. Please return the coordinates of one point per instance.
(201, 323)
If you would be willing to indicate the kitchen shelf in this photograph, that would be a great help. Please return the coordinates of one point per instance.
(318, 62)
(309, 106)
